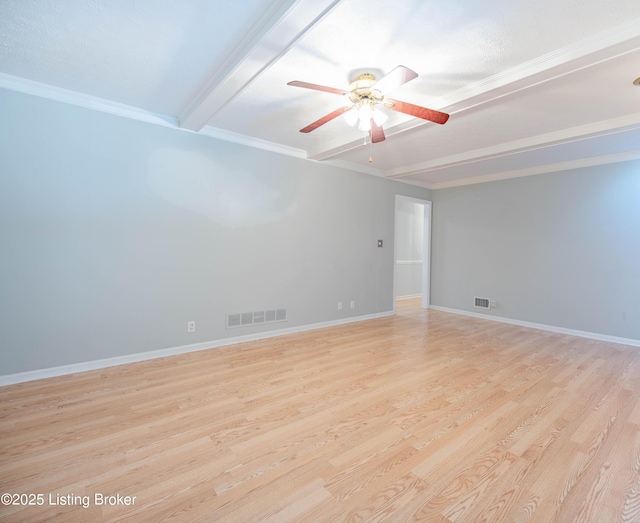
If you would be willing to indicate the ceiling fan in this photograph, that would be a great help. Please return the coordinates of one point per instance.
(364, 94)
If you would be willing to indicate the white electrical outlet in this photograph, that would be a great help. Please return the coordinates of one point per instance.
(339, 305)
(352, 305)
(191, 326)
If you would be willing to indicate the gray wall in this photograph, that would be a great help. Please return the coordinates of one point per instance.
(560, 249)
(115, 233)
(408, 248)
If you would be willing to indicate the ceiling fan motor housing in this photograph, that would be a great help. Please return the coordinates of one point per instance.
(361, 91)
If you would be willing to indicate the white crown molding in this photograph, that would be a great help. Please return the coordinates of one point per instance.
(64, 370)
(229, 136)
(59, 94)
(541, 141)
(365, 169)
(281, 27)
(416, 183)
(350, 166)
(541, 169)
(540, 326)
(94, 103)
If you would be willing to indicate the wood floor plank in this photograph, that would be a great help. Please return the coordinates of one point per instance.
(422, 416)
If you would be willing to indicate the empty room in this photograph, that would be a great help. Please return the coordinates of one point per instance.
(320, 261)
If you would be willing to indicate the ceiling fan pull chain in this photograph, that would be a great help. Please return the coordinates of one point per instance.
(364, 143)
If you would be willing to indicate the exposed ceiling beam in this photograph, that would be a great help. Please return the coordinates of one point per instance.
(582, 132)
(590, 161)
(279, 29)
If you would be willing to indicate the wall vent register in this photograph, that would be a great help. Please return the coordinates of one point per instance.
(481, 303)
(244, 319)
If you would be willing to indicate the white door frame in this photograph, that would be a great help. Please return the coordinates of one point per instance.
(426, 248)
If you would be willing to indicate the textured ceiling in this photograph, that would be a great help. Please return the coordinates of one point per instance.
(531, 85)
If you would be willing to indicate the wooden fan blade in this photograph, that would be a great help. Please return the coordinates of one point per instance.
(415, 110)
(400, 75)
(376, 132)
(327, 118)
(317, 87)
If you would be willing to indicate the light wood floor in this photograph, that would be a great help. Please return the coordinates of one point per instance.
(424, 416)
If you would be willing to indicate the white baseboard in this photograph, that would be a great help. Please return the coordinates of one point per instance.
(74, 368)
(551, 328)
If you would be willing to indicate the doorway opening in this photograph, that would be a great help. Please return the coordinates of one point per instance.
(412, 250)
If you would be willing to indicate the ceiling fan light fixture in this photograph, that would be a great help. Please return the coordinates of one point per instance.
(379, 117)
(364, 125)
(351, 116)
(366, 110)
